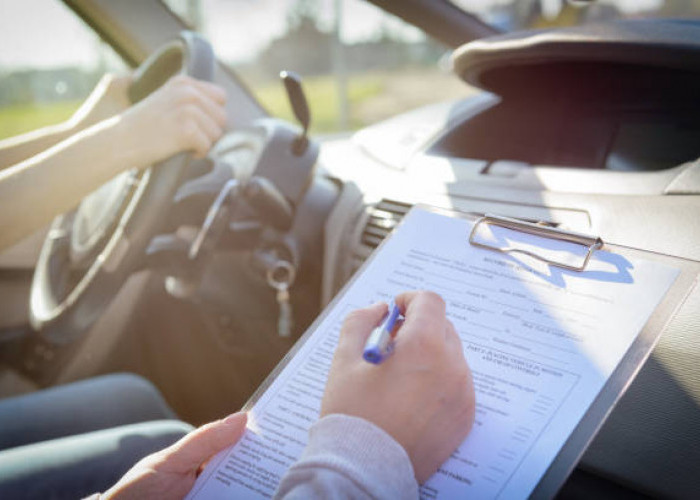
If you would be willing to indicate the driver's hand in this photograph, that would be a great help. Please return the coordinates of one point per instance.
(422, 395)
(108, 98)
(170, 473)
(185, 114)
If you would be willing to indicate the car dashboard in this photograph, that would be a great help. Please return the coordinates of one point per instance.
(653, 425)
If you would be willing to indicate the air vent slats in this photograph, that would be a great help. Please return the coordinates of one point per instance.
(381, 219)
(374, 230)
(371, 241)
(394, 206)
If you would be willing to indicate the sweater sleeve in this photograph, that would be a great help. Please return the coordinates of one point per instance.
(349, 457)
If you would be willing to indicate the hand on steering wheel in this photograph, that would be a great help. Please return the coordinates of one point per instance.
(89, 253)
(186, 114)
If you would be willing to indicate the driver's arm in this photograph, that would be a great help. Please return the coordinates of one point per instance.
(107, 99)
(184, 115)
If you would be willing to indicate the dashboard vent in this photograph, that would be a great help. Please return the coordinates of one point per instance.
(379, 221)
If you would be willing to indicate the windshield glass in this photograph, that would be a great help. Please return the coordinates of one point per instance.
(42, 81)
(509, 15)
(359, 64)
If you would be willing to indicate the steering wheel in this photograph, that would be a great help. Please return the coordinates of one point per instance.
(90, 252)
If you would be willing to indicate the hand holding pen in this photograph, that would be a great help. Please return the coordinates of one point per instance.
(422, 395)
(380, 342)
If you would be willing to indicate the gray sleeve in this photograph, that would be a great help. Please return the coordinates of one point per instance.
(348, 457)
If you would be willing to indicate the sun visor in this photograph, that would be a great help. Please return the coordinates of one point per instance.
(584, 57)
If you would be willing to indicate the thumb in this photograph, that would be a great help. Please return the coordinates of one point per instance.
(357, 327)
(201, 444)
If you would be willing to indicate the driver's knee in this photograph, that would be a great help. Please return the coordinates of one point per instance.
(137, 397)
(88, 405)
(76, 466)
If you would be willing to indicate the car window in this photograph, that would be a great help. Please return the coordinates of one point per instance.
(359, 64)
(49, 62)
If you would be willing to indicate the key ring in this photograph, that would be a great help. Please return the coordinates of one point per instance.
(288, 273)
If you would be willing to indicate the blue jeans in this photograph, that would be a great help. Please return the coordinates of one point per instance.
(74, 440)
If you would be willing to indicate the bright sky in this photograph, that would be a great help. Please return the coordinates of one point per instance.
(240, 28)
(45, 33)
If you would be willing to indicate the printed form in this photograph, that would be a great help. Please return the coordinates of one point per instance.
(541, 343)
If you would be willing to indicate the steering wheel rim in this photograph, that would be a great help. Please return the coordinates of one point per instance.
(62, 316)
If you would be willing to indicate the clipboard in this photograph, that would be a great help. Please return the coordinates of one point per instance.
(639, 351)
(622, 376)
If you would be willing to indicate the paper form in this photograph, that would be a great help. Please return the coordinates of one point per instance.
(540, 341)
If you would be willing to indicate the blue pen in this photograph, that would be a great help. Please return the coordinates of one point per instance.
(380, 343)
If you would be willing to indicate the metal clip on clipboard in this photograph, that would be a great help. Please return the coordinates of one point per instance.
(592, 243)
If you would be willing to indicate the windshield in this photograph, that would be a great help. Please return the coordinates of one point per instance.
(43, 83)
(509, 15)
(359, 64)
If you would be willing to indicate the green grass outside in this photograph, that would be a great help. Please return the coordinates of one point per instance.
(321, 91)
(19, 119)
(322, 94)
(371, 96)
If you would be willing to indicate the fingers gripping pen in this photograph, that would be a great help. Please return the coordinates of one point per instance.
(380, 343)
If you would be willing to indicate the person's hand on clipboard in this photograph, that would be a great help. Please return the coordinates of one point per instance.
(422, 395)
